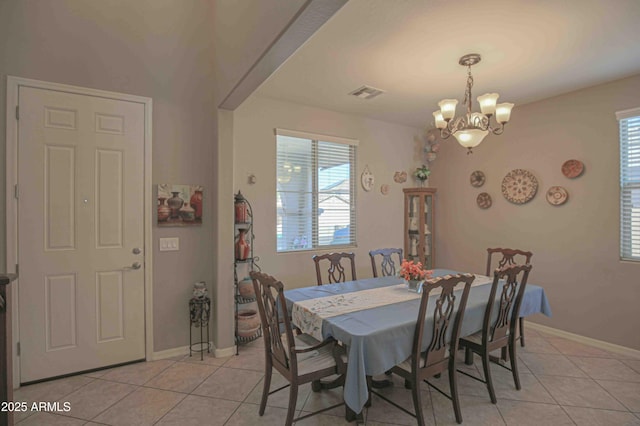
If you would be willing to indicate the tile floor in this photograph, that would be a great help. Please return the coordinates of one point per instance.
(563, 382)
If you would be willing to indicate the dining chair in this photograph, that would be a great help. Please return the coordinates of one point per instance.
(446, 310)
(336, 271)
(298, 358)
(499, 330)
(509, 257)
(387, 265)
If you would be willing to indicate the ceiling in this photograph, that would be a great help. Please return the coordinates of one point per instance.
(530, 50)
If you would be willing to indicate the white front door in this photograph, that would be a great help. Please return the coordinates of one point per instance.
(80, 232)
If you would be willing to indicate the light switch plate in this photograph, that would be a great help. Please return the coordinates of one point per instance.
(170, 244)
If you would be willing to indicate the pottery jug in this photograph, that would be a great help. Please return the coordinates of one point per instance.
(187, 213)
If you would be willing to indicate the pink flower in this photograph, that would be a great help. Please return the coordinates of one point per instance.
(414, 271)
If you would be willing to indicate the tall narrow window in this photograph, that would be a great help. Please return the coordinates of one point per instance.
(315, 194)
(629, 184)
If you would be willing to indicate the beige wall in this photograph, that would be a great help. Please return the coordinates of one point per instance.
(161, 49)
(384, 147)
(575, 246)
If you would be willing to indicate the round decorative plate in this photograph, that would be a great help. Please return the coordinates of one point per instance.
(484, 200)
(384, 189)
(477, 179)
(572, 168)
(519, 186)
(557, 195)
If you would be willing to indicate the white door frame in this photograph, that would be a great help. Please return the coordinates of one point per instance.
(13, 84)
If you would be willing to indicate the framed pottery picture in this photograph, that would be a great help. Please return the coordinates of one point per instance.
(179, 205)
(484, 200)
(519, 186)
(477, 179)
(557, 195)
(572, 168)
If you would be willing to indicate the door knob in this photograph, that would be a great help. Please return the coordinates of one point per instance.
(136, 250)
(136, 265)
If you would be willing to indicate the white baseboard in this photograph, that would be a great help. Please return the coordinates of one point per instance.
(184, 350)
(169, 353)
(622, 350)
(224, 352)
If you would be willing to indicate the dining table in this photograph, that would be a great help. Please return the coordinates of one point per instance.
(375, 318)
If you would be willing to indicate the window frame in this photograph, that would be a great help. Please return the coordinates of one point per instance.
(315, 193)
(626, 185)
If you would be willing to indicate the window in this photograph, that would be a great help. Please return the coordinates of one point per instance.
(315, 193)
(629, 184)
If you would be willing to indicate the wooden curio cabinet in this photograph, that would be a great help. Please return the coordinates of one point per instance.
(419, 232)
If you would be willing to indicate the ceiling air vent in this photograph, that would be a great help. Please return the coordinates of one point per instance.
(366, 92)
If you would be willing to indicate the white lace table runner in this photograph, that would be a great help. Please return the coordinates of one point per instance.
(309, 314)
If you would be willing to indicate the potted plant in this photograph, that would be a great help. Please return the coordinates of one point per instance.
(422, 174)
(414, 274)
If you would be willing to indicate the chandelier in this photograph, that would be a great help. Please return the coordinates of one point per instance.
(472, 128)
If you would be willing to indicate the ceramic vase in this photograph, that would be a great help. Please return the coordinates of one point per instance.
(242, 246)
(175, 203)
(164, 211)
(187, 213)
(196, 203)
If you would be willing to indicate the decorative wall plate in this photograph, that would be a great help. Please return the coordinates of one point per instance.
(384, 189)
(484, 200)
(572, 168)
(557, 195)
(400, 177)
(519, 186)
(477, 179)
(367, 179)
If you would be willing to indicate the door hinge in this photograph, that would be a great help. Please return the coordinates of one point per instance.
(17, 269)
(16, 192)
(17, 112)
(18, 349)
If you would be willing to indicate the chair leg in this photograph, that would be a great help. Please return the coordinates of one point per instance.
(293, 398)
(265, 389)
(417, 402)
(468, 356)
(514, 364)
(487, 376)
(521, 322)
(453, 385)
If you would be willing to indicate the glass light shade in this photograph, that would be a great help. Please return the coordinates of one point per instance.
(488, 103)
(448, 108)
(503, 112)
(440, 123)
(470, 138)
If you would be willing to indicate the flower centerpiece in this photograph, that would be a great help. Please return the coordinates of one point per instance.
(414, 274)
(422, 174)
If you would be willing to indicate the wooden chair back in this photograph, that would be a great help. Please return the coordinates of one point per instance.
(448, 312)
(511, 281)
(272, 307)
(387, 265)
(336, 271)
(509, 257)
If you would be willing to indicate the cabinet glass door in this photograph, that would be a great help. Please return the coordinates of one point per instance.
(427, 226)
(413, 227)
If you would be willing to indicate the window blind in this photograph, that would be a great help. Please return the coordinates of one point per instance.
(315, 192)
(629, 184)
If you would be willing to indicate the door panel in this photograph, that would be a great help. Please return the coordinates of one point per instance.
(80, 171)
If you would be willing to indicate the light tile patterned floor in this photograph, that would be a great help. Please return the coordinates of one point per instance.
(564, 382)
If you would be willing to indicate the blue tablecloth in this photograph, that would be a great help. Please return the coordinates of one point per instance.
(379, 338)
